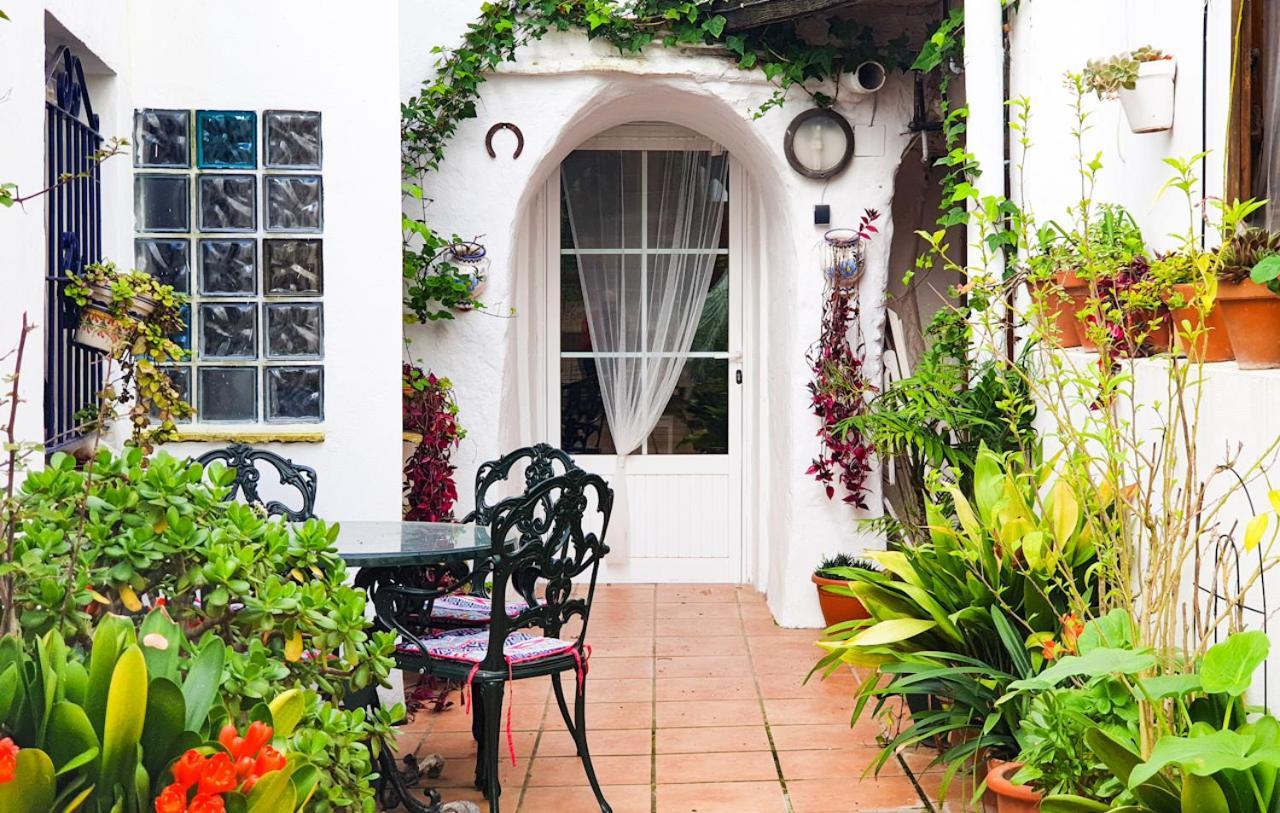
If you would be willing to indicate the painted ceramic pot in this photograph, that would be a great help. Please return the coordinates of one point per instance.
(1011, 798)
(1213, 344)
(837, 608)
(1252, 316)
(98, 330)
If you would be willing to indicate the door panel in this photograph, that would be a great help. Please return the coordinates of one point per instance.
(682, 498)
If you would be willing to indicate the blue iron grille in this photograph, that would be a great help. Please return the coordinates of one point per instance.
(73, 374)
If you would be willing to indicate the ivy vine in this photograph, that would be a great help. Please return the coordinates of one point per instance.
(431, 118)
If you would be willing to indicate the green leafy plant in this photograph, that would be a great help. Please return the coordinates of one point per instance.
(837, 567)
(1106, 77)
(144, 343)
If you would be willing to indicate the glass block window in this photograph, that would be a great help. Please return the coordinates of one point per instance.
(229, 209)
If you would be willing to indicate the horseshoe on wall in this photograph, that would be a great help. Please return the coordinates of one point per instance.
(504, 125)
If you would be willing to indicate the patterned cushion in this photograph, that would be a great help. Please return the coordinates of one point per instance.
(470, 646)
(460, 608)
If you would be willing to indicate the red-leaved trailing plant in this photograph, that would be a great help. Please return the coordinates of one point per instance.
(431, 412)
(839, 387)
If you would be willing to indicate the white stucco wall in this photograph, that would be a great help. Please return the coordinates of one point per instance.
(245, 55)
(564, 90)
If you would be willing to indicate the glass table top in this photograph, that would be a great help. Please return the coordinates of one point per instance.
(398, 544)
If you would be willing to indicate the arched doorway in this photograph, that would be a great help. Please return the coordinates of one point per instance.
(682, 486)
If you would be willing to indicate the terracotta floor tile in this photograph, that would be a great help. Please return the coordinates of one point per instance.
(598, 690)
(699, 645)
(822, 736)
(624, 592)
(739, 687)
(701, 610)
(602, 742)
(782, 687)
(634, 667)
(722, 797)
(461, 745)
(802, 710)
(697, 628)
(848, 794)
(711, 739)
(610, 770)
(620, 647)
(602, 716)
(709, 666)
(708, 593)
(579, 799)
(827, 764)
(770, 635)
(641, 626)
(706, 713)
(748, 766)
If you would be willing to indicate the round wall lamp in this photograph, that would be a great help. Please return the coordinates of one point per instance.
(819, 143)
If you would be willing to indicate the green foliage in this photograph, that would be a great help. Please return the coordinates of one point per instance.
(834, 567)
(147, 314)
(263, 590)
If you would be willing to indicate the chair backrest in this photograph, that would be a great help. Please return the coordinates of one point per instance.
(554, 545)
(244, 459)
(542, 462)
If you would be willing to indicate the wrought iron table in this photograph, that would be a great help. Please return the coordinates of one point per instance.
(407, 554)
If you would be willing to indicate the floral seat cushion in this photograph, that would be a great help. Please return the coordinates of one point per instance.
(460, 608)
(471, 646)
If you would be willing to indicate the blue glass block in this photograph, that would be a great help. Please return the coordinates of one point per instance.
(229, 267)
(167, 260)
(293, 266)
(228, 394)
(228, 331)
(294, 393)
(294, 203)
(291, 139)
(295, 330)
(228, 203)
(162, 138)
(226, 139)
(162, 203)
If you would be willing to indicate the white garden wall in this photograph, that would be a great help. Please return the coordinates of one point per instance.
(239, 54)
(564, 90)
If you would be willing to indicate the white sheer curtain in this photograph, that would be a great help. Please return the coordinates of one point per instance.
(649, 224)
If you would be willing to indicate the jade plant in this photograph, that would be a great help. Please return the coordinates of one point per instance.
(146, 315)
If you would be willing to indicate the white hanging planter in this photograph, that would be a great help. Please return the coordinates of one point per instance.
(1148, 106)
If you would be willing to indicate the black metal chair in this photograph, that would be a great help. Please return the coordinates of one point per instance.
(244, 459)
(540, 545)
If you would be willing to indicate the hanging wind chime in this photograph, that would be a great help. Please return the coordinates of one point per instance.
(839, 388)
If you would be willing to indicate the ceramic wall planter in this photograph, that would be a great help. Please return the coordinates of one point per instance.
(1148, 106)
(98, 329)
(1010, 798)
(1252, 316)
(837, 608)
(1213, 344)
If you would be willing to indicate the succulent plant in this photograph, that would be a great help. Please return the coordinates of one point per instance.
(1243, 251)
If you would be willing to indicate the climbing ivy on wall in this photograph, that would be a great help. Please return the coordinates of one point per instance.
(430, 118)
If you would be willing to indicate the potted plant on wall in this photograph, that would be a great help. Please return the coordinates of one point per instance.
(1249, 296)
(431, 416)
(1143, 79)
(832, 579)
(110, 299)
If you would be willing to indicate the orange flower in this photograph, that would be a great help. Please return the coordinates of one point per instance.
(269, 760)
(187, 770)
(172, 799)
(230, 738)
(1072, 626)
(8, 760)
(257, 735)
(219, 777)
(1050, 650)
(207, 804)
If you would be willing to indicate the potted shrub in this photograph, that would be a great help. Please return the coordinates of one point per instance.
(1247, 294)
(1199, 328)
(430, 425)
(1143, 79)
(836, 606)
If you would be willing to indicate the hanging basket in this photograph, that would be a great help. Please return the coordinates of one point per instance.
(843, 264)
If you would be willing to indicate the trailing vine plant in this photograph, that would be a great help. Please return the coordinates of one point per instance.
(839, 390)
(434, 288)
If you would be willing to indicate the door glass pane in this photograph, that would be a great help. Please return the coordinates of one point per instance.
(670, 223)
(583, 428)
(696, 420)
(611, 180)
(613, 285)
(712, 333)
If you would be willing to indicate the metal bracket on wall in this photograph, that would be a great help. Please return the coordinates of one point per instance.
(504, 125)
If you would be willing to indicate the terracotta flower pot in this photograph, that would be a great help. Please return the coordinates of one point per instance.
(1060, 309)
(1213, 344)
(837, 608)
(1010, 798)
(1155, 324)
(1077, 290)
(1252, 315)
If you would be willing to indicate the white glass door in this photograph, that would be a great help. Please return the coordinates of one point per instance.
(683, 483)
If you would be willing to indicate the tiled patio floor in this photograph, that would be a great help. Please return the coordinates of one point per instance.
(696, 704)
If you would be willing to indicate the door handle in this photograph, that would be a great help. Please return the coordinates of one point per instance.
(737, 376)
